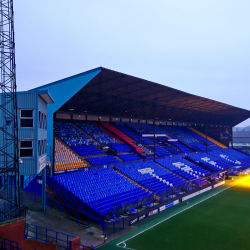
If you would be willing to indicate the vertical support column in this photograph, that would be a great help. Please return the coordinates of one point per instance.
(8, 186)
(53, 149)
(154, 129)
(44, 189)
(206, 135)
(231, 132)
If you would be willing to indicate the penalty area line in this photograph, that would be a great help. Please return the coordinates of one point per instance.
(123, 242)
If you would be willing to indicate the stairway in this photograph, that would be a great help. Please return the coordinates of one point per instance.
(122, 136)
(209, 138)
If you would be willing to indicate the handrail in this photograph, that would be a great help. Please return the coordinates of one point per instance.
(45, 232)
(14, 213)
(9, 244)
(61, 197)
(28, 180)
(52, 198)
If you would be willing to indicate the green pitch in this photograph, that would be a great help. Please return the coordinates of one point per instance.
(218, 220)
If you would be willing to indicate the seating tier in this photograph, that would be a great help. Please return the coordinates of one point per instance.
(102, 189)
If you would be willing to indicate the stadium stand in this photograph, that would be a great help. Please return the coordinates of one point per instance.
(138, 128)
(96, 132)
(183, 148)
(172, 150)
(239, 155)
(102, 160)
(212, 162)
(209, 138)
(181, 134)
(121, 148)
(197, 136)
(86, 150)
(122, 135)
(159, 151)
(71, 134)
(129, 157)
(65, 159)
(211, 145)
(183, 168)
(145, 129)
(126, 129)
(151, 175)
(102, 189)
(178, 133)
(225, 156)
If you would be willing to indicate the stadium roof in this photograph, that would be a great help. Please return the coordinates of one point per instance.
(111, 93)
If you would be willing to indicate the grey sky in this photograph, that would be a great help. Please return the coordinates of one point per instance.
(201, 47)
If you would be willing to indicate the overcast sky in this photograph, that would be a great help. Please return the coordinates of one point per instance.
(198, 46)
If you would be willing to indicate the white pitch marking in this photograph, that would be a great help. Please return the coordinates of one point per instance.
(124, 246)
(123, 242)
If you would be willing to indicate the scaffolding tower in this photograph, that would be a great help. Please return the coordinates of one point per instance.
(9, 162)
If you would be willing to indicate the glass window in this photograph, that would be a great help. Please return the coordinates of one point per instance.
(27, 113)
(26, 144)
(42, 120)
(26, 148)
(26, 118)
(42, 147)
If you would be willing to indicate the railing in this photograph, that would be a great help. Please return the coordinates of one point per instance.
(13, 213)
(54, 200)
(9, 245)
(28, 180)
(47, 235)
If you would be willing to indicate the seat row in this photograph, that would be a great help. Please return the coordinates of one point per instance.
(102, 189)
(151, 175)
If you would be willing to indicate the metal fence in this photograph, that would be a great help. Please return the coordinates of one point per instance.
(9, 245)
(10, 212)
(47, 235)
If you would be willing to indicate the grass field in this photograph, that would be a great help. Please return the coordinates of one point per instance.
(218, 220)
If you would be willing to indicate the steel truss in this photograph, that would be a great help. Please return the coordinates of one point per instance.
(9, 165)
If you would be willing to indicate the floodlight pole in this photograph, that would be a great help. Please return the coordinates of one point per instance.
(9, 148)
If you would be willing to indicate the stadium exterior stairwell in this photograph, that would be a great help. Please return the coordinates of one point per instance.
(209, 138)
(122, 136)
